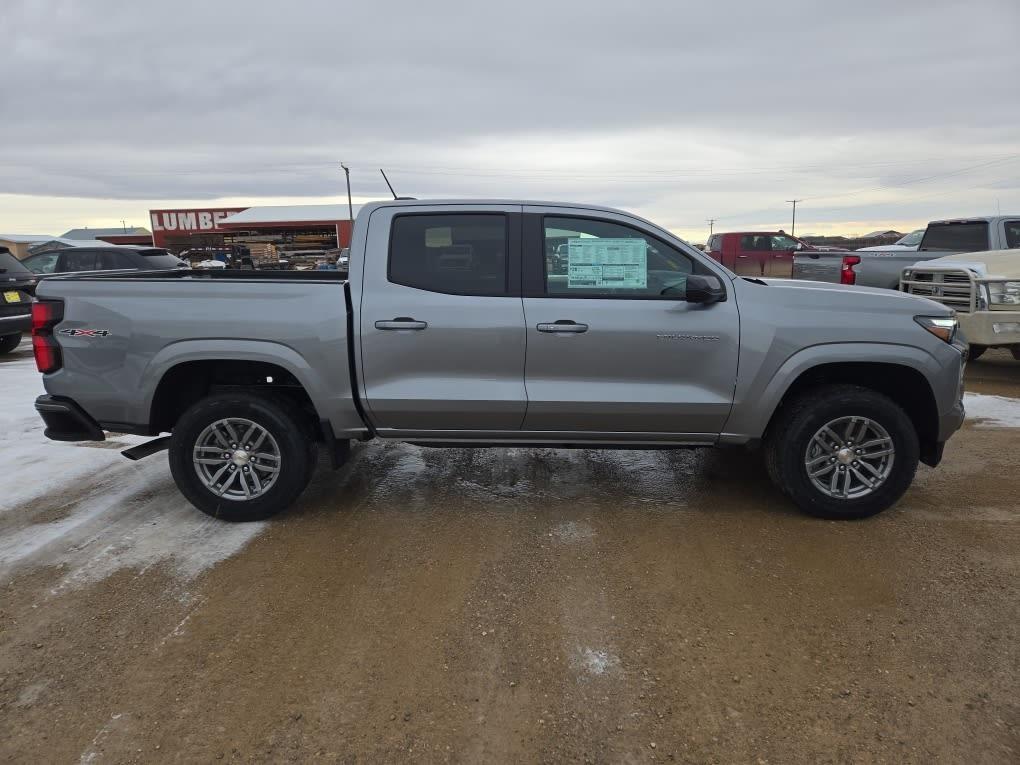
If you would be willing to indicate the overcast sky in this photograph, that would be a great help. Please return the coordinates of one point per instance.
(876, 114)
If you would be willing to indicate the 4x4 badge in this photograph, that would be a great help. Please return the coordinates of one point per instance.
(85, 332)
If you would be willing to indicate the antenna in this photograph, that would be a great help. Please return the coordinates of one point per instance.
(350, 206)
(388, 183)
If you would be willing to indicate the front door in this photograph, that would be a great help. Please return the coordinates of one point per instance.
(613, 346)
(752, 255)
(442, 324)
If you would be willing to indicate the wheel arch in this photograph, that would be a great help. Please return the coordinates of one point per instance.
(902, 373)
(182, 375)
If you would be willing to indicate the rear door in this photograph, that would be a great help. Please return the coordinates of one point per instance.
(442, 322)
(613, 345)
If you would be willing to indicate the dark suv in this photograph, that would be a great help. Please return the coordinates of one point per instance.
(113, 258)
(17, 285)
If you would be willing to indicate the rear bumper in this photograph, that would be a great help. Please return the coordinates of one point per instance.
(10, 325)
(66, 421)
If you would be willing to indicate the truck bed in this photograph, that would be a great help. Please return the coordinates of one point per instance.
(142, 326)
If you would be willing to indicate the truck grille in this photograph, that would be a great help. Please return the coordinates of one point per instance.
(951, 288)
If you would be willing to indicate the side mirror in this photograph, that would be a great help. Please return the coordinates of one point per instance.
(704, 289)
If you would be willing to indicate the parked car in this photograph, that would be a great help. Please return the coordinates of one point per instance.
(882, 268)
(17, 284)
(758, 253)
(449, 331)
(113, 258)
(909, 241)
(984, 290)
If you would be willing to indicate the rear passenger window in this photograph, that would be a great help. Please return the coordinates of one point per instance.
(462, 254)
(78, 261)
(114, 260)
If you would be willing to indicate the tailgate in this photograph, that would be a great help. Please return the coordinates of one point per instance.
(821, 267)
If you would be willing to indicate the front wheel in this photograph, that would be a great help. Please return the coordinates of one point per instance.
(9, 342)
(843, 452)
(241, 457)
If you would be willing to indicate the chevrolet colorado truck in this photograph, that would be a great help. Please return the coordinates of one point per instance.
(455, 329)
(882, 267)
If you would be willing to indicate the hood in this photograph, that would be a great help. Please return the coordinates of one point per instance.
(991, 264)
(848, 296)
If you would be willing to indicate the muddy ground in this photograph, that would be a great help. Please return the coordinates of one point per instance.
(519, 605)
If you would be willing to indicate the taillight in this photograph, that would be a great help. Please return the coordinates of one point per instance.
(846, 271)
(46, 314)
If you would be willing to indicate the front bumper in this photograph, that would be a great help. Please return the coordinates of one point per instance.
(66, 421)
(980, 327)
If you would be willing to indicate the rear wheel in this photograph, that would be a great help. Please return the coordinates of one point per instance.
(843, 452)
(241, 457)
(9, 342)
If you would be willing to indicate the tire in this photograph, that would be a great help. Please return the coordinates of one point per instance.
(9, 342)
(975, 352)
(286, 436)
(787, 452)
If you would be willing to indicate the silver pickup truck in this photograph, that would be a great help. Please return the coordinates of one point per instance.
(876, 267)
(458, 327)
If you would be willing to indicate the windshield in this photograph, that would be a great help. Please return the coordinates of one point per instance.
(962, 236)
(912, 239)
(12, 265)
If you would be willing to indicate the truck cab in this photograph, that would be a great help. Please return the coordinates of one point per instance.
(756, 253)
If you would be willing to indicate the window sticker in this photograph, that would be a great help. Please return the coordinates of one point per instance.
(607, 263)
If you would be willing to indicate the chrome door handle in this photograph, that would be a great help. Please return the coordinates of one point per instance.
(562, 326)
(401, 322)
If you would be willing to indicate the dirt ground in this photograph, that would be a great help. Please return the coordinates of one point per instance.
(523, 605)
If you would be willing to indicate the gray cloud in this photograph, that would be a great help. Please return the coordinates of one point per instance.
(714, 107)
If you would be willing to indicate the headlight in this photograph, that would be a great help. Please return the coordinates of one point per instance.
(1003, 293)
(943, 327)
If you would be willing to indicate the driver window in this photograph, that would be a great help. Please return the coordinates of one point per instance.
(589, 257)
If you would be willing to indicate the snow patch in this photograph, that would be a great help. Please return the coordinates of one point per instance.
(992, 411)
(88, 509)
(595, 662)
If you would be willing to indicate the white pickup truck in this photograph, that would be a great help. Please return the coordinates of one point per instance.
(984, 290)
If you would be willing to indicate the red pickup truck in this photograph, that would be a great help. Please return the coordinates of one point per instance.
(757, 253)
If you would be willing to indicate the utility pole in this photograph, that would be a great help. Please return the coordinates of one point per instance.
(123, 225)
(711, 226)
(793, 223)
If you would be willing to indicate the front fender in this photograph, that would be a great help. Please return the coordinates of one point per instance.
(757, 399)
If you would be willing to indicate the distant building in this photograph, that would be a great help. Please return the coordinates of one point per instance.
(121, 235)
